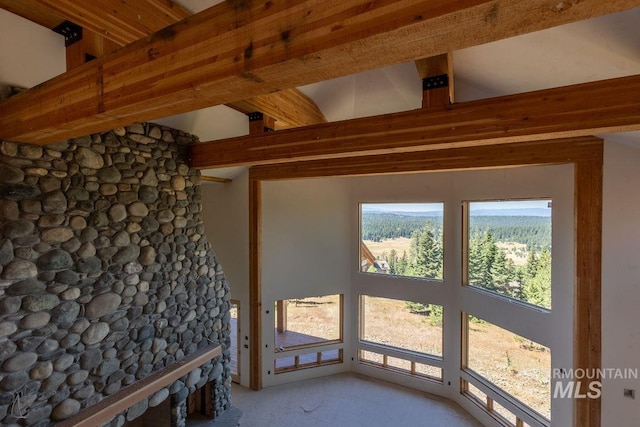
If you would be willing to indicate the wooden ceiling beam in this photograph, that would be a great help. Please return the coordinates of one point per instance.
(531, 153)
(121, 21)
(91, 46)
(239, 50)
(571, 111)
(124, 21)
(290, 108)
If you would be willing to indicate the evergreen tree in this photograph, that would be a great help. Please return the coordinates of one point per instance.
(426, 254)
(503, 273)
(425, 261)
(537, 289)
(403, 264)
(488, 255)
(475, 262)
(532, 231)
(532, 264)
(392, 260)
(488, 265)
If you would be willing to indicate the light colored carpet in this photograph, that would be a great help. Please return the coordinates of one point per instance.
(344, 400)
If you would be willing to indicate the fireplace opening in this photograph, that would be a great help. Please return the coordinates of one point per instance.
(200, 402)
(159, 416)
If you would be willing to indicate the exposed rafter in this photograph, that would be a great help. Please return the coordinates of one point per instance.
(289, 107)
(121, 22)
(577, 110)
(259, 48)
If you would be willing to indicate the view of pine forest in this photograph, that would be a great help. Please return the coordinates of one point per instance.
(508, 252)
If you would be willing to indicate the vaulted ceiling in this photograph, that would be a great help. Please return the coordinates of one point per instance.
(359, 83)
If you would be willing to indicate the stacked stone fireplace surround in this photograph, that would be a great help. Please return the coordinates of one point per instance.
(106, 276)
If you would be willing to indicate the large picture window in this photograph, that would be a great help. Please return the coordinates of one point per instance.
(516, 365)
(508, 249)
(306, 322)
(497, 256)
(401, 336)
(401, 239)
(403, 325)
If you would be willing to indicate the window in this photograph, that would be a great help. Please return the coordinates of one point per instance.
(504, 413)
(492, 251)
(302, 323)
(402, 366)
(306, 322)
(401, 239)
(307, 360)
(404, 325)
(508, 249)
(401, 336)
(235, 340)
(516, 365)
(499, 412)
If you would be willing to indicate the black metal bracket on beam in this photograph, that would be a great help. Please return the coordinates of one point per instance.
(256, 116)
(72, 32)
(435, 82)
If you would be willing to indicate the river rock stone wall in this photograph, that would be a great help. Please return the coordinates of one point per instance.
(105, 275)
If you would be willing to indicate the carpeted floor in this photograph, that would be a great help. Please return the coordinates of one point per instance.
(345, 400)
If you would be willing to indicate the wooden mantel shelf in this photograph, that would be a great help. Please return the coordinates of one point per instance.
(111, 406)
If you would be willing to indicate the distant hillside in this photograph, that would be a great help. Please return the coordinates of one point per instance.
(403, 213)
(539, 212)
(378, 226)
(531, 230)
(536, 212)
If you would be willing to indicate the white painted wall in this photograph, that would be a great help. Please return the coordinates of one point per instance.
(31, 54)
(305, 252)
(621, 281)
(226, 219)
